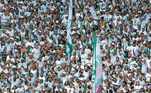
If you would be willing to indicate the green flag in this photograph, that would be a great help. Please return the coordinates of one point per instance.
(69, 40)
(85, 88)
(98, 78)
(94, 61)
(97, 66)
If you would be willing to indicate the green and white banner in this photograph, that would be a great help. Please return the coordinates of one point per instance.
(69, 26)
(97, 65)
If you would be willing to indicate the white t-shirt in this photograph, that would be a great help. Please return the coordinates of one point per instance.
(130, 48)
(148, 76)
(136, 51)
(71, 90)
(4, 19)
(86, 75)
(29, 44)
(144, 68)
(148, 62)
(1, 69)
(67, 88)
(36, 53)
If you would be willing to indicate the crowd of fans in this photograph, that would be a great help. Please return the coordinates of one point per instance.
(33, 43)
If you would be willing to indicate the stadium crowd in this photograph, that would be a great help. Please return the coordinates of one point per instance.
(33, 44)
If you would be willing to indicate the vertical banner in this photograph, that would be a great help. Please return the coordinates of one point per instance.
(98, 80)
(69, 26)
(94, 61)
(97, 66)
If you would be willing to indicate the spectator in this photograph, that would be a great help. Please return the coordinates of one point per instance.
(33, 43)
